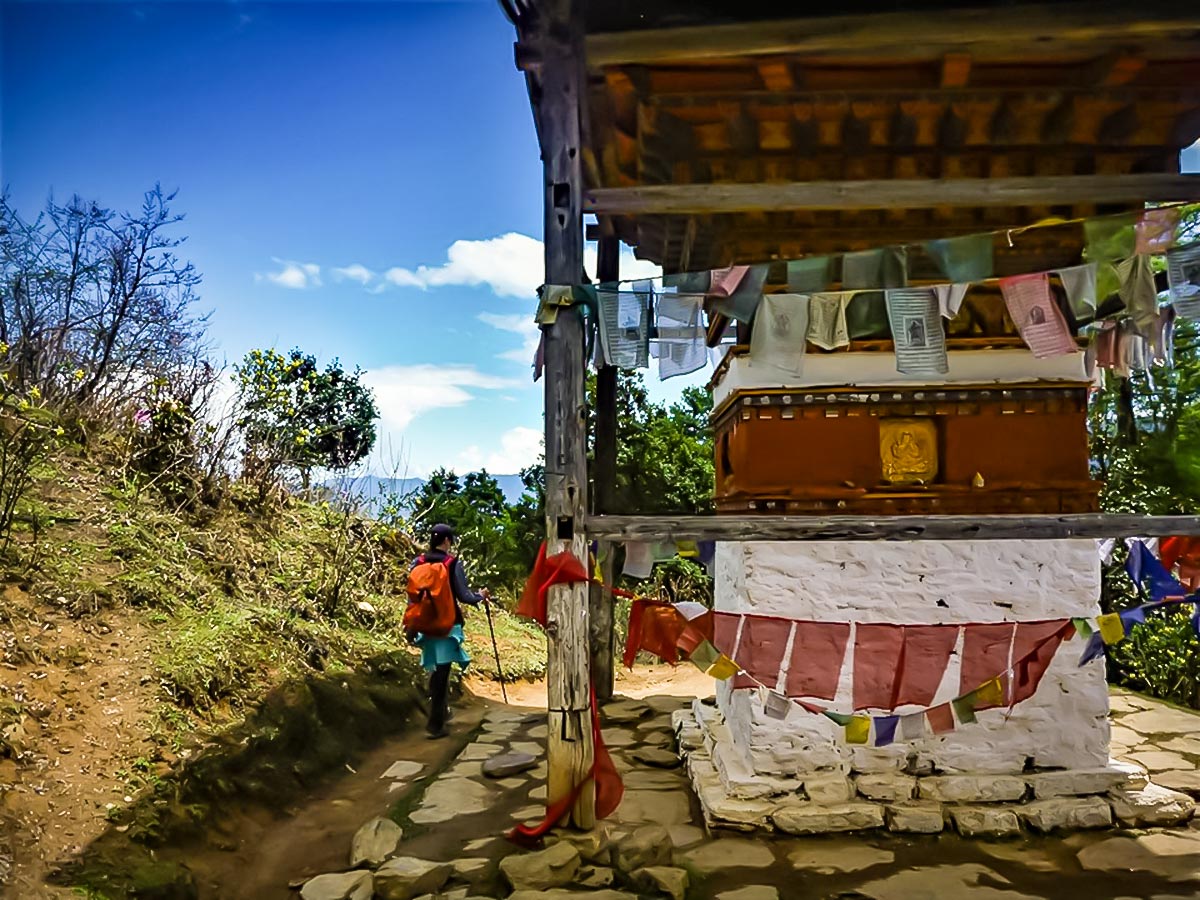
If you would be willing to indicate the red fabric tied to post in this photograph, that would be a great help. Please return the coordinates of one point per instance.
(603, 774)
(985, 655)
(760, 651)
(655, 627)
(561, 568)
(818, 650)
(1034, 647)
(1184, 552)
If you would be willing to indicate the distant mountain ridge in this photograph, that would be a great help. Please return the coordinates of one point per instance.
(373, 488)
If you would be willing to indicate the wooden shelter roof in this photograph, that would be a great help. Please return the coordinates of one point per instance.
(714, 132)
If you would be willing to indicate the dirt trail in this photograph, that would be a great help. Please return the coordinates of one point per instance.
(643, 681)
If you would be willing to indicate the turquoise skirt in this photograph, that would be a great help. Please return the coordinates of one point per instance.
(437, 651)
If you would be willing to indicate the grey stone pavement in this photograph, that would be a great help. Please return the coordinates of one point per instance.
(451, 845)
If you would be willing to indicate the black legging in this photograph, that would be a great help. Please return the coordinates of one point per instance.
(439, 689)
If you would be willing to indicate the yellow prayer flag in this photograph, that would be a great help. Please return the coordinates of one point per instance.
(1112, 629)
(990, 693)
(723, 668)
(858, 729)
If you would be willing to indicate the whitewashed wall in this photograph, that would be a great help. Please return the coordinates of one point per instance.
(918, 582)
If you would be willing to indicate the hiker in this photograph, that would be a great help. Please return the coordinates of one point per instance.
(439, 576)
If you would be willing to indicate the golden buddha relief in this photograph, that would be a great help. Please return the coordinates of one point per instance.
(908, 450)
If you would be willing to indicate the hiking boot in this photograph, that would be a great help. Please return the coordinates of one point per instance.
(439, 733)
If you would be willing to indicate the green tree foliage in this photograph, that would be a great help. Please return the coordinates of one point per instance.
(296, 416)
(664, 452)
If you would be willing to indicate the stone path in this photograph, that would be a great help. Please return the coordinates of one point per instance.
(654, 846)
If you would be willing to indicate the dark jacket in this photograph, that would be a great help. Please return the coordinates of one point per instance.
(458, 582)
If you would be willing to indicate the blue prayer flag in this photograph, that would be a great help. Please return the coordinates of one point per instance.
(885, 730)
(1093, 650)
(1148, 573)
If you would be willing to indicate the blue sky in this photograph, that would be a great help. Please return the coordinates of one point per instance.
(360, 180)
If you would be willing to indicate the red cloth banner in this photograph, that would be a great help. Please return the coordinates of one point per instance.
(940, 718)
(818, 650)
(760, 651)
(725, 632)
(561, 568)
(1184, 551)
(985, 655)
(877, 650)
(926, 653)
(1034, 647)
(657, 628)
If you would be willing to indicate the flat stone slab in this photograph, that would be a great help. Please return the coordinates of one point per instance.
(480, 750)
(656, 807)
(916, 817)
(1161, 760)
(1174, 856)
(969, 881)
(1185, 782)
(544, 869)
(1151, 805)
(563, 894)
(985, 821)
(730, 853)
(815, 819)
(623, 712)
(684, 836)
(507, 764)
(339, 886)
(751, 892)
(657, 758)
(402, 770)
(828, 858)
(406, 877)
(1162, 720)
(971, 788)
(451, 797)
(662, 780)
(374, 842)
(1066, 814)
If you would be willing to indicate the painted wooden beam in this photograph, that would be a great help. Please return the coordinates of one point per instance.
(915, 193)
(1018, 29)
(886, 528)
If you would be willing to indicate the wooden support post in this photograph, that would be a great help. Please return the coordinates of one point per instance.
(600, 596)
(570, 752)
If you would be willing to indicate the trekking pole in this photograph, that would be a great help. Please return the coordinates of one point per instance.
(487, 608)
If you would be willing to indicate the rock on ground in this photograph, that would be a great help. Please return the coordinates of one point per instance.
(560, 894)
(1175, 857)
(665, 880)
(339, 886)
(507, 764)
(985, 821)
(550, 868)
(815, 819)
(1066, 813)
(751, 892)
(647, 846)
(406, 877)
(1151, 805)
(374, 842)
(730, 853)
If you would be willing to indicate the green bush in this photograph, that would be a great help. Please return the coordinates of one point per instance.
(1162, 658)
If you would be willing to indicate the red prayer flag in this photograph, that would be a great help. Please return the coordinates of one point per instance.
(760, 651)
(926, 652)
(985, 656)
(725, 629)
(1184, 551)
(1036, 315)
(656, 628)
(941, 718)
(561, 568)
(877, 650)
(1034, 647)
(818, 651)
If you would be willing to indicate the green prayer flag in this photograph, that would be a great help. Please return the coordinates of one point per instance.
(1083, 627)
(867, 316)
(809, 275)
(839, 718)
(705, 656)
(964, 708)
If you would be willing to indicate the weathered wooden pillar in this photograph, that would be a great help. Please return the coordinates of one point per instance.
(600, 596)
(570, 751)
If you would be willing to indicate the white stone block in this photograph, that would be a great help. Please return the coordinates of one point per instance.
(804, 818)
(1151, 805)
(1076, 782)
(828, 789)
(917, 817)
(888, 787)
(985, 821)
(971, 788)
(1066, 813)
(1135, 775)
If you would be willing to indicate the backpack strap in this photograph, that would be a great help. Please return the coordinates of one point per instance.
(449, 561)
(421, 560)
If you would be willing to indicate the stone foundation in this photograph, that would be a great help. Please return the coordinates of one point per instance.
(839, 798)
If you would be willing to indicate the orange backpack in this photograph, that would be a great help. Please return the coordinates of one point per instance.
(430, 609)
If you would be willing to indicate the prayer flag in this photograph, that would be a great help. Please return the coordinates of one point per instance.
(877, 654)
(1131, 617)
(725, 632)
(705, 656)
(625, 328)
(1036, 315)
(776, 705)
(680, 335)
(885, 730)
(840, 718)
(827, 320)
(912, 726)
(1156, 230)
(738, 293)
(1183, 276)
(963, 259)
(1137, 290)
(989, 695)
(1079, 282)
(941, 718)
(723, 668)
(804, 276)
(882, 268)
(867, 316)
(690, 609)
(818, 651)
(917, 332)
(1082, 627)
(1112, 630)
(1110, 238)
(858, 730)
(689, 282)
(1034, 646)
(950, 298)
(985, 655)
(760, 649)
(1093, 650)
(964, 708)
(723, 282)
(1150, 575)
(780, 332)
(923, 661)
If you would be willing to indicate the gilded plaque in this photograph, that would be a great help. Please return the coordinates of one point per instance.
(908, 450)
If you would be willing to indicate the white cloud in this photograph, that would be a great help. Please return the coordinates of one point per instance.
(516, 324)
(295, 275)
(404, 392)
(519, 447)
(512, 265)
(354, 272)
